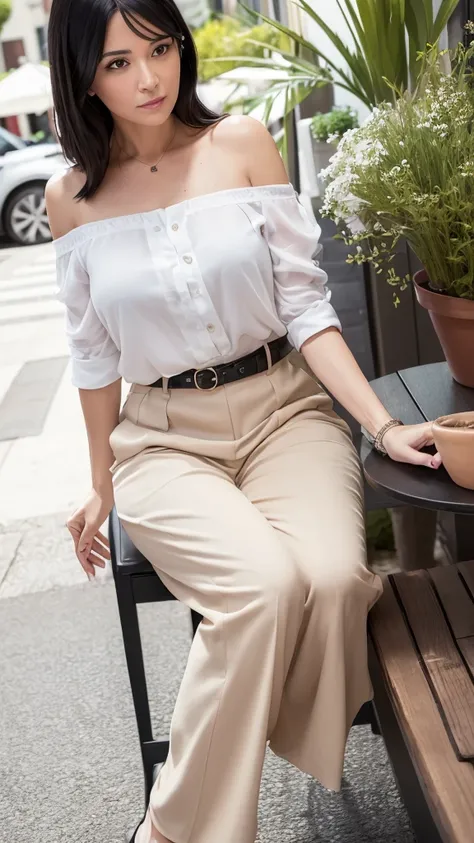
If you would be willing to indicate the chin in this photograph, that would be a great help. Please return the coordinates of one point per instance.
(151, 118)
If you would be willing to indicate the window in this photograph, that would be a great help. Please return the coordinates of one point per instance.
(42, 42)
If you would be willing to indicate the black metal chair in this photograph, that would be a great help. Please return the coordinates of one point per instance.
(136, 581)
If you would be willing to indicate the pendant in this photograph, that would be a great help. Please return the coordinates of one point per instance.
(154, 169)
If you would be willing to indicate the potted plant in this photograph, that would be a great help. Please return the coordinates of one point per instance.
(327, 130)
(408, 172)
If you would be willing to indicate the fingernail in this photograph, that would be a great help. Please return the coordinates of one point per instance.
(90, 577)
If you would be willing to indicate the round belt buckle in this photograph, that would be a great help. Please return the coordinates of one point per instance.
(206, 388)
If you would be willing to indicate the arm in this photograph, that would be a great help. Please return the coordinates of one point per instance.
(101, 408)
(325, 351)
(94, 365)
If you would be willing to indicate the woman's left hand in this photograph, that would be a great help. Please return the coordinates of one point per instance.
(403, 444)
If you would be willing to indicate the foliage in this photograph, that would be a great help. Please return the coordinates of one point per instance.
(225, 36)
(5, 12)
(386, 35)
(39, 137)
(379, 530)
(331, 126)
(408, 172)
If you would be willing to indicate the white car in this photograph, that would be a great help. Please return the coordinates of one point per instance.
(23, 176)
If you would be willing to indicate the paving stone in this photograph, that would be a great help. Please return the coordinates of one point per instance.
(69, 752)
(25, 405)
(9, 543)
(45, 559)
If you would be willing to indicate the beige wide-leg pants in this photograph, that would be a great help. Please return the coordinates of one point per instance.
(247, 502)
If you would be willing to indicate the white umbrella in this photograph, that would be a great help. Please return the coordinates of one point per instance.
(258, 79)
(26, 91)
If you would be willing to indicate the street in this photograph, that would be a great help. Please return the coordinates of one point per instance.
(44, 468)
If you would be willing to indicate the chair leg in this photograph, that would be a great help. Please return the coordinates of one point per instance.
(196, 619)
(367, 716)
(136, 669)
(154, 752)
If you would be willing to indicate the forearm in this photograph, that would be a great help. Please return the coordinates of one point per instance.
(329, 357)
(101, 409)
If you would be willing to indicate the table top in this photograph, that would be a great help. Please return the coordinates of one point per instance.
(415, 395)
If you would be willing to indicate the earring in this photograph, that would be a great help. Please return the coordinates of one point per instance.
(181, 46)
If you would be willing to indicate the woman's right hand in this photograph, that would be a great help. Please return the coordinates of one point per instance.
(91, 546)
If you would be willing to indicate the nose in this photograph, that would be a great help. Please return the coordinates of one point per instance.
(147, 78)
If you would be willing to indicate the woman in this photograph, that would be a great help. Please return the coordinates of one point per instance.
(185, 262)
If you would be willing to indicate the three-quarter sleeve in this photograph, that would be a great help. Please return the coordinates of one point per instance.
(94, 355)
(301, 297)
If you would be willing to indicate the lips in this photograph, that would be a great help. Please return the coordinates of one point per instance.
(152, 103)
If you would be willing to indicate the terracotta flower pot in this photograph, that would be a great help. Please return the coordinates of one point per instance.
(454, 439)
(453, 321)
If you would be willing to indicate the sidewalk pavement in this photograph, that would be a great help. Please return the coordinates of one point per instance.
(42, 477)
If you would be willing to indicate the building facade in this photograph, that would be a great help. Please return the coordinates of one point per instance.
(23, 36)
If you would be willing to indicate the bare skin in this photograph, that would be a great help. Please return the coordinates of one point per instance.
(196, 161)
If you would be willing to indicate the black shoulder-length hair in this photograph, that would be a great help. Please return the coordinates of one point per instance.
(76, 37)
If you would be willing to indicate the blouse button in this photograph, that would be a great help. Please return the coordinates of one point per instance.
(187, 259)
(175, 226)
(210, 327)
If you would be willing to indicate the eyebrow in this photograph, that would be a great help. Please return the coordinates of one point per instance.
(127, 52)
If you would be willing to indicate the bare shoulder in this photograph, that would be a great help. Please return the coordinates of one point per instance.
(60, 203)
(238, 128)
(246, 137)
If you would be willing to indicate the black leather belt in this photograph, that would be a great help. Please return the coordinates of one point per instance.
(213, 376)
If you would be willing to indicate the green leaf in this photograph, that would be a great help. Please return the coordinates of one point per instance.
(444, 13)
(350, 84)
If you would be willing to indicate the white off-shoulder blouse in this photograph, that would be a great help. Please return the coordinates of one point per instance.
(196, 284)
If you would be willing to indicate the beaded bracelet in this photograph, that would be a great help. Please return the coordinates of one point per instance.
(378, 439)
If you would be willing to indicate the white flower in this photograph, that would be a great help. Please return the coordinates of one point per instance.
(356, 226)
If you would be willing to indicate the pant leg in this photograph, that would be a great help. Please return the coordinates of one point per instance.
(306, 480)
(216, 552)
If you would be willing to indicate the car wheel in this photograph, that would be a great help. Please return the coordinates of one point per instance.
(26, 220)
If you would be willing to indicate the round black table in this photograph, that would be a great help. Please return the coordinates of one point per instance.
(415, 395)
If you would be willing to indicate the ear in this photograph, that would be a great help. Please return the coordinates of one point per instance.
(91, 93)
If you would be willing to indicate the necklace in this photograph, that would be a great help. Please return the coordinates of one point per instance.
(154, 167)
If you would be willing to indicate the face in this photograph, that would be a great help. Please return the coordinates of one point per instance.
(133, 73)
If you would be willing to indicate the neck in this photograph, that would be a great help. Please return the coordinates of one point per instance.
(147, 143)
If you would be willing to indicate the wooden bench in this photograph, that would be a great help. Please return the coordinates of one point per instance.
(421, 643)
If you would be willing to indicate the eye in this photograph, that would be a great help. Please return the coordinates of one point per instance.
(163, 47)
(118, 64)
